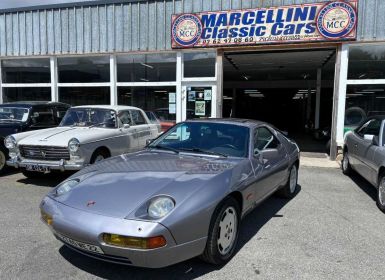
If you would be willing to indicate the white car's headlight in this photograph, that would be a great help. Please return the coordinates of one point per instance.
(73, 145)
(10, 142)
(160, 207)
(66, 186)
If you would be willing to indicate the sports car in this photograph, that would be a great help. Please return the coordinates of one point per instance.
(183, 196)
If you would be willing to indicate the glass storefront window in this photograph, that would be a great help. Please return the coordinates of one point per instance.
(363, 101)
(199, 64)
(366, 62)
(26, 94)
(159, 100)
(26, 70)
(199, 102)
(94, 69)
(85, 95)
(146, 68)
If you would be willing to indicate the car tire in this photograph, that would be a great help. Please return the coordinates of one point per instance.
(345, 164)
(99, 155)
(223, 233)
(289, 190)
(3, 161)
(31, 174)
(381, 193)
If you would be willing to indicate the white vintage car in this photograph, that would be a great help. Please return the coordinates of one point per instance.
(87, 134)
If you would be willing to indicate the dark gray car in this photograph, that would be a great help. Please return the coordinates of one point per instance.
(364, 152)
(181, 197)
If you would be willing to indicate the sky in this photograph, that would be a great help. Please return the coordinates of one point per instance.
(9, 4)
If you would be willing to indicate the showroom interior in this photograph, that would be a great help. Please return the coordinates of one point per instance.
(291, 89)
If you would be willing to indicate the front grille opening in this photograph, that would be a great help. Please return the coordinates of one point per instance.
(51, 153)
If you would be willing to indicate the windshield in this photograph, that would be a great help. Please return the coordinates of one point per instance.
(206, 138)
(89, 117)
(14, 114)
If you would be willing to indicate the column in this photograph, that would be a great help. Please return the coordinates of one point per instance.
(339, 99)
(219, 89)
(54, 79)
(318, 98)
(113, 79)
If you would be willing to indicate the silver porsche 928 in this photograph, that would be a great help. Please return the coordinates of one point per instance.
(181, 197)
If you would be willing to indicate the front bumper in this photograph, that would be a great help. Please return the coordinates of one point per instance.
(88, 228)
(61, 165)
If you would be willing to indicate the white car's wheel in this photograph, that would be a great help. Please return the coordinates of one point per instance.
(223, 233)
(99, 155)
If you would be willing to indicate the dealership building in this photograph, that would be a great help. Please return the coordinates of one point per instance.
(300, 65)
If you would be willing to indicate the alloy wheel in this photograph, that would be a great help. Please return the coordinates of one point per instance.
(227, 230)
(381, 192)
(345, 162)
(293, 179)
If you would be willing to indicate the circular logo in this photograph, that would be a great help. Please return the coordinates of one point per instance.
(336, 20)
(186, 29)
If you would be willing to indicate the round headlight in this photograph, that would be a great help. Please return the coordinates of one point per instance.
(73, 145)
(160, 207)
(66, 186)
(10, 142)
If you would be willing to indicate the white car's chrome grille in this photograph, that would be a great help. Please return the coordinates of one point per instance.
(44, 152)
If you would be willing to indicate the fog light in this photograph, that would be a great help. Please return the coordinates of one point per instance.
(46, 218)
(134, 242)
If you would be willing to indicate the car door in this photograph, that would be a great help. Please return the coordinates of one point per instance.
(273, 156)
(127, 132)
(365, 150)
(142, 128)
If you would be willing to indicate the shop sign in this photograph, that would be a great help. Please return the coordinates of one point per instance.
(331, 21)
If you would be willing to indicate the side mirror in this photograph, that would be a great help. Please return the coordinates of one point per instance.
(285, 133)
(126, 125)
(368, 137)
(149, 141)
(376, 141)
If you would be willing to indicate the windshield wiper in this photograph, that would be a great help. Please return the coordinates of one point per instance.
(160, 147)
(199, 150)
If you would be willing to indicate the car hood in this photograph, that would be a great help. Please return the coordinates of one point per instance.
(59, 136)
(118, 186)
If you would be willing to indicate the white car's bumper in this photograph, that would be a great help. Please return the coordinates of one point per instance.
(43, 165)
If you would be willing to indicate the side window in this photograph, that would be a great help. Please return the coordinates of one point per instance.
(264, 139)
(60, 112)
(125, 118)
(137, 117)
(371, 127)
(42, 116)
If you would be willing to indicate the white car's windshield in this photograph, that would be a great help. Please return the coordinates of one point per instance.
(13, 114)
(90, 117)
(211, 138)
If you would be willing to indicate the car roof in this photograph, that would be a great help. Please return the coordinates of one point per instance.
(236, 121)
(110, 107)
(30, 104)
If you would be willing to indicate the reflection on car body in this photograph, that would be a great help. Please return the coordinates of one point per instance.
(183, 196)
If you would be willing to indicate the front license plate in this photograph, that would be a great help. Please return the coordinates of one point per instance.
(80, 245)
(37, 168)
